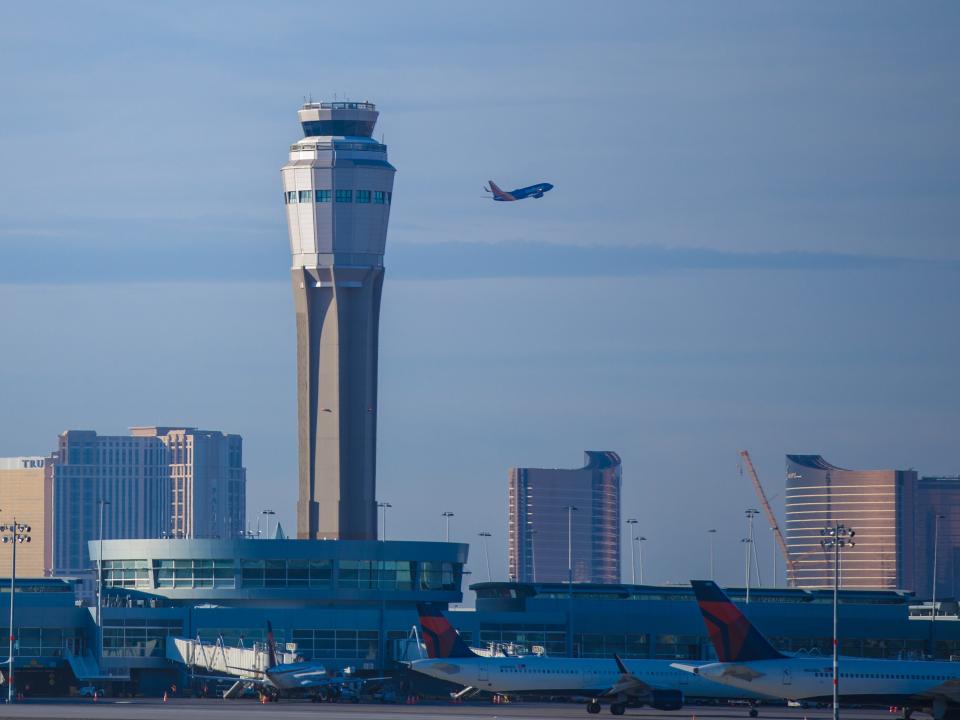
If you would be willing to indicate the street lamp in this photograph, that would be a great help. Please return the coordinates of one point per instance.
(384, 506)
(102, 504)
(486, 553)
(834, 538)
(17, 534)
(268, 513)
(632, 522)
(570, 510)
(640, 541)
(933, 582)
(747, 542)
(751, 513)
(713, 536)
(446, 517)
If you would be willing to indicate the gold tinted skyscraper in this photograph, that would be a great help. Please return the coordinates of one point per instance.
(338, 186)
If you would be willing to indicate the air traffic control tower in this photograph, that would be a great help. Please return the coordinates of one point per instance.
(337, 187)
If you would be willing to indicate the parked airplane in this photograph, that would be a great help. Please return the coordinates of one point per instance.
(617, 682)
(747, 661)
(292, 679)
(536, 191)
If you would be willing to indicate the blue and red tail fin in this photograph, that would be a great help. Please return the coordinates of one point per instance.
(734, 637)
(441, 639)
(498, 193)
(271, 646)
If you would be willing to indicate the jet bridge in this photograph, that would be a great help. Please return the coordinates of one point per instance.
(216, 657)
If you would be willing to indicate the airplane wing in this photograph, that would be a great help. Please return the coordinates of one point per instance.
(229, 678)
(627, 683)
(308, 682)
(949, 690)
(686, 668)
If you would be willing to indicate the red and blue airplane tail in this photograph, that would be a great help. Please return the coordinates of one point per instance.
(271, 646)
(734, 637)
(499, 194)
(441, 639)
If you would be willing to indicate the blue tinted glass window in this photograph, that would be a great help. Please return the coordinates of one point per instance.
(379, 197)
(344, 195)
(363, 196)
(323, 196)
(305, 196)
(291, 197)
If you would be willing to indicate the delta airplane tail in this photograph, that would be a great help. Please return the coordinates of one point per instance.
(271, 646)
(441, 639)
(734, 637)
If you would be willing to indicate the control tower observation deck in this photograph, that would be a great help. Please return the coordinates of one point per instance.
(338, 186)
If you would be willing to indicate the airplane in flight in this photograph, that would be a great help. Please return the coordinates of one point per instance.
(535, 191)
(291, 679)
(620, 683)
(747, 661)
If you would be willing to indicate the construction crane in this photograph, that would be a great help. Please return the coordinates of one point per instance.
(771, 518)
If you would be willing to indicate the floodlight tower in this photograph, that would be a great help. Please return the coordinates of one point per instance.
(338, 186)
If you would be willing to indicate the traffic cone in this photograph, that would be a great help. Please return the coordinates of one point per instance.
(164, 696)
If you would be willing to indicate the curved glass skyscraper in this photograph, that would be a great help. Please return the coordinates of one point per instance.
(875, 503)
(337, 187)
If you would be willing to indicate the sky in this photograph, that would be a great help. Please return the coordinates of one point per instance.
(752, 243)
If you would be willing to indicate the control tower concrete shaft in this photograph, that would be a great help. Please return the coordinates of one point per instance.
(338, 186)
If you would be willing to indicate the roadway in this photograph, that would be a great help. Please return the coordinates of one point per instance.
(216, 709)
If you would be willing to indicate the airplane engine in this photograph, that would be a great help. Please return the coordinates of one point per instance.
(666, 700)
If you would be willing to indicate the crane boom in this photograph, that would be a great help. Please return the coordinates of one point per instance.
(771, 518)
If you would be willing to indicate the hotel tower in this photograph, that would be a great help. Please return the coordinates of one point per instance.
(337, 187)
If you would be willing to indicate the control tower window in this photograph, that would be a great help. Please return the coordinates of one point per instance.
(291, 197)
(356, 128)
(305, 196)
(389, 197)
(363, 196)
(344, 195)
(323, 196)
(379, 197)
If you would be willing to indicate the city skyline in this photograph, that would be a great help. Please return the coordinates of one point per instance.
(752, 245)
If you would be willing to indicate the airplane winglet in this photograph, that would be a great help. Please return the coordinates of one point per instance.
(620, 666)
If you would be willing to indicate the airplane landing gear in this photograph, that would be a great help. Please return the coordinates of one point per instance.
(618, 708)
(593, 707)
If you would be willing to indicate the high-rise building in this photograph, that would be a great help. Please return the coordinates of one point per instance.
(157, 482)
(935, 524)
(25, 490)
(208, 482)
(337, 186)
(542, 529)
(131, 474)
(877, 504)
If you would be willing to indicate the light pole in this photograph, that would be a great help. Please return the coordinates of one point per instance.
(384, 506)
(713, 536)
(570, 510)
(102, 504)
(632, 522)
(836, 537)
(933, 583)
(640, 541)
(268, 513)
(747, 542)
(773, 553)
(751, 513)
(486, 553)
(446, 518)
(17, 534)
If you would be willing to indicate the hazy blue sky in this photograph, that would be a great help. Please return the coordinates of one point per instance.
(753, 242)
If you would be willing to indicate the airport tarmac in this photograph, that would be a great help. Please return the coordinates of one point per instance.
(149, 709)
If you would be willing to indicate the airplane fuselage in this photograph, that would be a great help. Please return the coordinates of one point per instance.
(861, 680)
(566, 676)
(534, 191)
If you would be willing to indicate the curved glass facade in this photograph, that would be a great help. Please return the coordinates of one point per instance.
(872, 502)
(538, 521)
